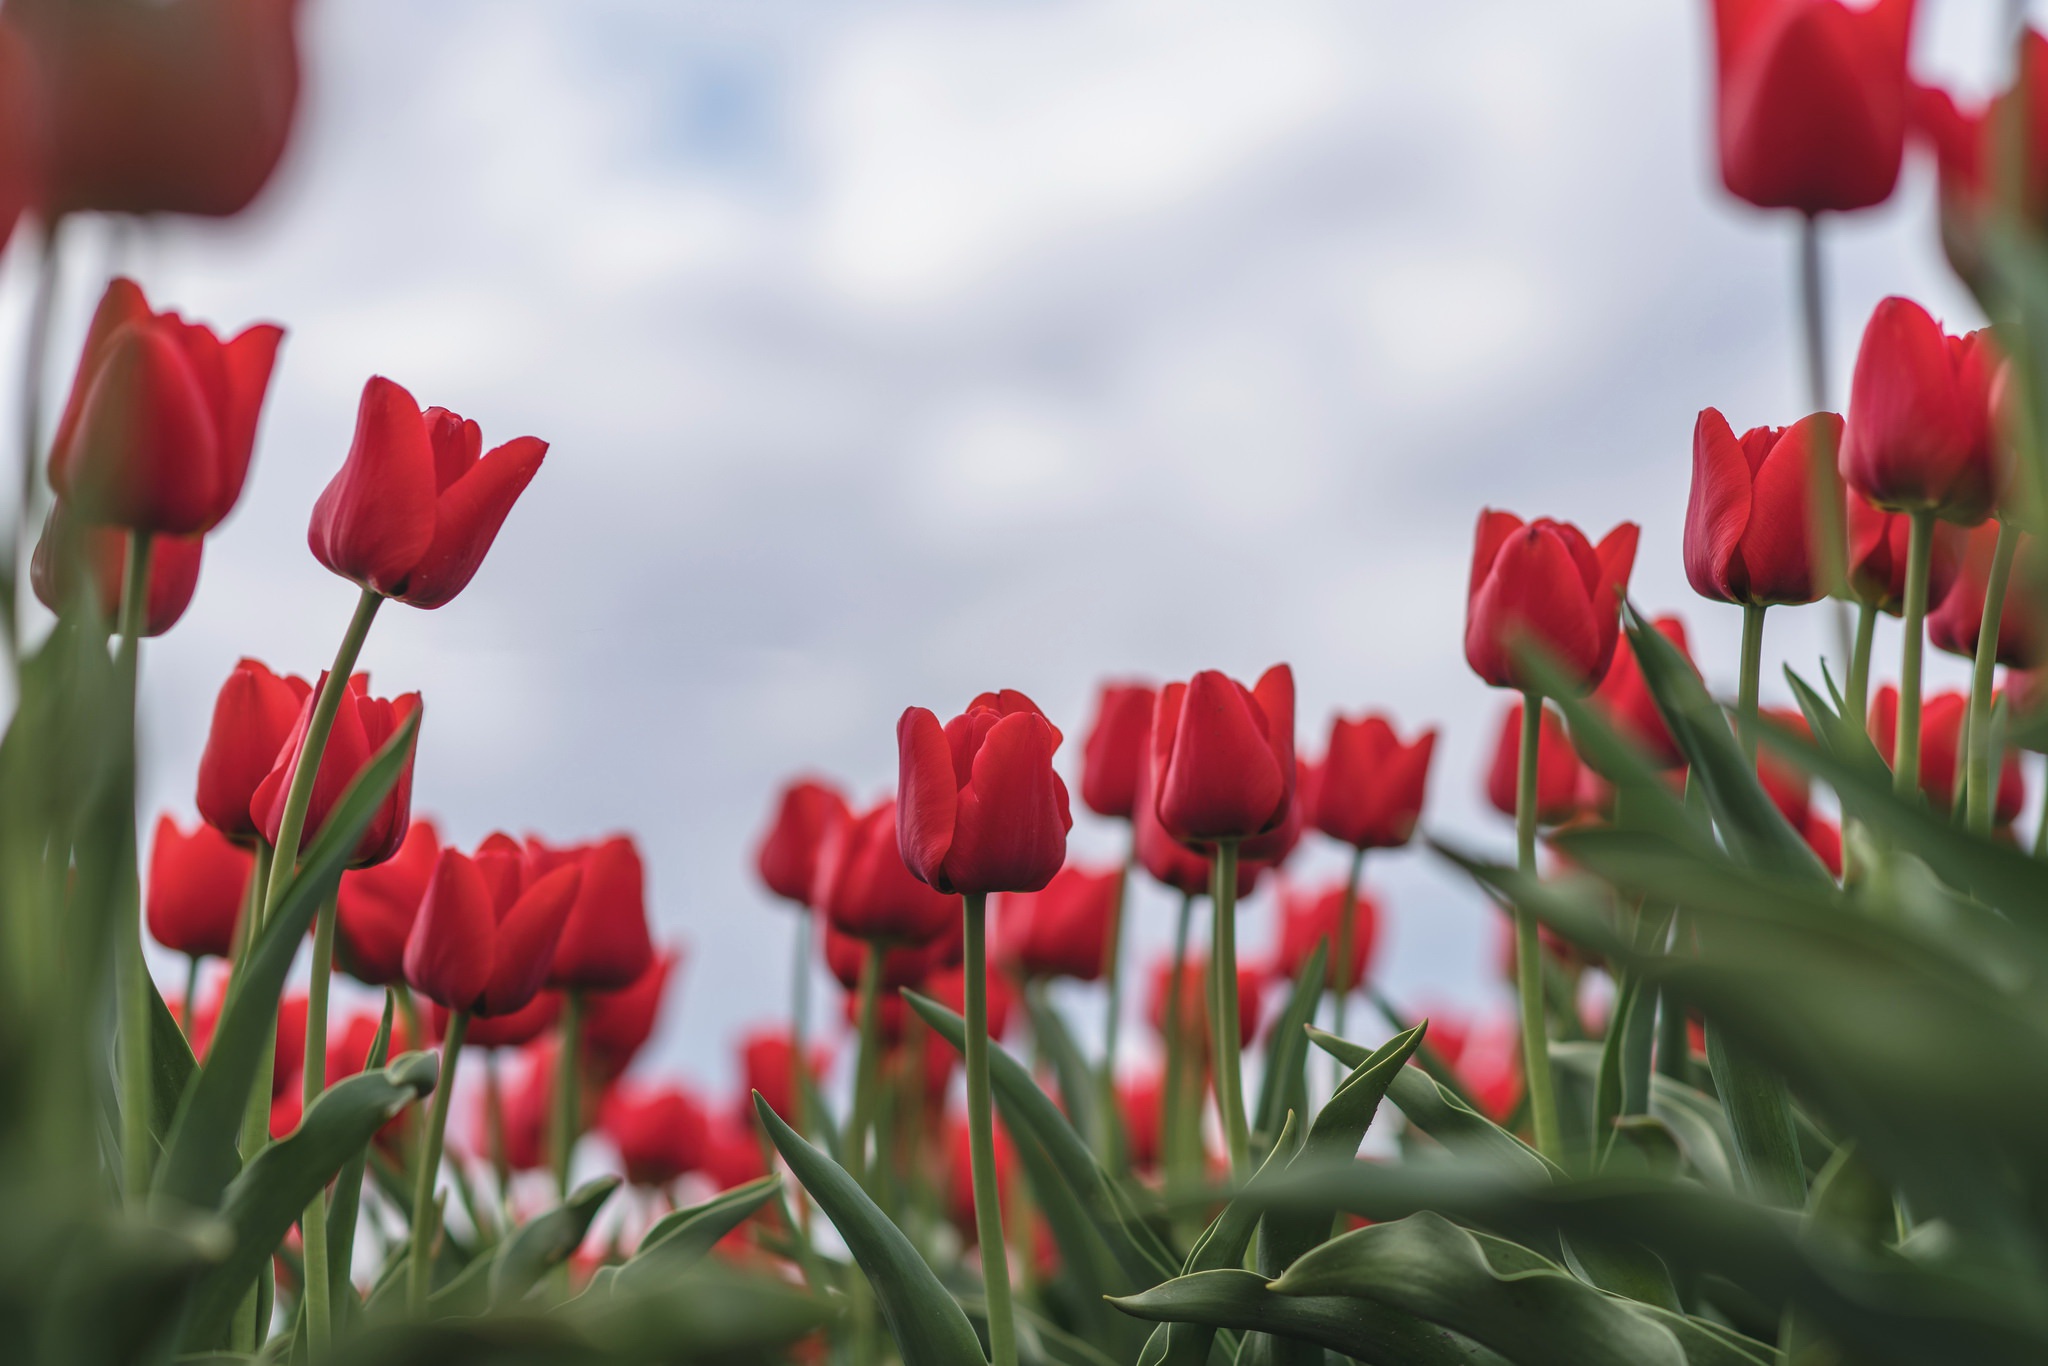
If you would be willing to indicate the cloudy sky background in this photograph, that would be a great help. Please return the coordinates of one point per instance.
(894, 351)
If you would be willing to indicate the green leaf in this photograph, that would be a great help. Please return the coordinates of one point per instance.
(1085, 1262)
(1056, 1045)
(170, 1063)
(112, 1294)
(1445, 1118)
(680, 1239)
(928, 1325)
(540, 1245)
(1284, 1085)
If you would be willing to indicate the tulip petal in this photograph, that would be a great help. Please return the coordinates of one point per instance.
(1223, 779)
(1275, 695)
(927, 795)
(375, 519)
(122, 304)
(1534, 593)
(1010, 832)
(1494, 530)
(146, 450)
(248, 361)
(1718, 510)
(452, 949)
(527, 936)
(466, 520)
(1776, 546)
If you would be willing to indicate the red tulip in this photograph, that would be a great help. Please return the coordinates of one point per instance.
(415, 506)
(1173, 863)
(252, 718)
(1824, 837)
(1369, 789)
(1788, 787)
(348, 1048)
(768, 1060)
(532, 1020)
(1223, 757)
(1624, 699)
(290, 1054)
(960, 1174)
(660, 1132)
(1966, 146)
(1747, 523)
(903, 965)
(1542, 583)
(1309, 918)
(198, 886)
(1941, 750)
(485, 935)
(67, 543)
(807, 814)
(948, 986)
(362, 724)
(17, 128)
(526, 1106)
(618, 1024)
(1954, 625)
(733, 1155)
(1811, 101)
(604, 944)
(1194, 999)
(1877, 557)
(376, 908)
(1113, 759)
(978, 806)
(1141, 1099)
(870, 893)
(1919, 431)
(162, 418)
(1062, 931)
(1557, 768)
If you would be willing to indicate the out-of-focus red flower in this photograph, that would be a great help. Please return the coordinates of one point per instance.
(948, 986)
(362, 724)
(960, 1174)
(1113, 760)
(1194, 998)
(1748, 521)
(807, 814)
(1811, 95)
(1557, 768)
(1489, 1062)
(416, 505)
(978, 806)
(604, 945)
(162, 418)
(252, 718)
(1966, 146)
(618, 1024)
(1877, 557)
(768, 1060)
(1309, 917)
(348, 1048)
(732, 1153)
(198, 886)
(1223, 758)
(1062, 931)
(1955, 624)
(903, 965)
(18, 171)
(1369, 787)
(1624, 699)
(484, 935)
(522, 1026)
(870, 893)
(526, 1105)
(1919, 430)
(67, 544)
(287, 1108)
(1788, 787)
(1141, 1100)
(1173, 863)
(1824, 837)
(661, 1132)
(1543, 585)
(377, 906)
(290, 1055)
(1941, 753)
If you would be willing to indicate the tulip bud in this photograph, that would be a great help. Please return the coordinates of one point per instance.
(252, 718)
(1062, 931)
(979, 808)
(1542, 585)
(870, 893)
(1114, 755)
(1748, 524)
(768, 1061)
(1941, 751)
(376, 907)
(806, 816)
(1223, 756)
(1309, 918)
(482, 947)
(198, 887)
(618, 1024)
(68, 546)
(362, 725)
(1623, 699)
(1557, 768)
(1172, 863)
(1370, 787)
(604, 944)
(1877, 557)
(1954, 625)
(1919, 429)
(661, 1132)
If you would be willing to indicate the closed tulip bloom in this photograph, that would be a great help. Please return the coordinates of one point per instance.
(1062, 931)
(253, 716)
(733, 1156)
(1223, 756)
(526, 1105)
(484, 944)
(1309, 917)
(1113, 758)
(157, 433)
(1624, 699)
(1788, 786)
(807, 814)
(1370, 788)
(1965, 140)
(1543, 585)
(1877, 557)
(870, 892)
(1172, 863)
(604, 944)
(521, 1027)
(348, 1048)
(1954, 625)
(618, 1024)
(1919, 430)
(417, 504)
(1557, 768)
(903, 965)
(198, 885)
(1194, 999)
(68, 546)
(1942, 717)
(978, 806)
(768, 1061)
(948, 986)
(1810, 108)
(376, 907)
(661, 1132)
(362, 725)
(1748, 521)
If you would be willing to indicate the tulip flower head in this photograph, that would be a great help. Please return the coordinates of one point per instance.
(69, 547)
(1919, 432)
(769, 1062)
(1194, 1000)
(808, 813)
(521, 1027)
(1223, 757)
(1542, 585)
(362, 724)
(1557, 768)
(618, 1024)
(1368, 792)
(1624, 699)
(1877, 557)
(1311, 916)
(867, 890)
(1141, 1102)
(1172, 863)
(1062, 931)
(1955, 624)
(604, 945)
(198, 888)
(1113, 759)
(486, 933)
(376, 907)
(1788, 786)
(978, 806)
(661, 1132)
(1966, 144)
(253, 715)
(1748, 525)
(1942, 753)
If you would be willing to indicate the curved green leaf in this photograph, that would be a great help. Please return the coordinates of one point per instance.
(680, 1239)
(539, 1245)
(1284, 1085)
(1445, 1118)
(170, 1064)
(1069, 1069)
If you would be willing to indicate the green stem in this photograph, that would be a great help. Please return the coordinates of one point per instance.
(1858, 683)
(1752, 675)
(191, 1004)
(568, 1077)
(133, 972)
(292, 823)
(1346, 932)
(799, 1018)
(313, 1224)
(988, 1210)
(1178, 1146)
(1529, 948)
(868, 1066)
(1906, 739)
(249, 1324)
(1108, 1127)
(494, 1118)
(1227, 1053)
(1983, 783)
(420, 1273)
(2041, 831)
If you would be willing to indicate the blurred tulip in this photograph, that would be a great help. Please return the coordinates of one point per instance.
(1919, 429)
(1966, 148)
(1954, 625)
(1223, 757)
(604, 944)
(1194, 1000)
(1824, 837)
(18, 170)
(870, 893)
(1748, 523)
(960, 1179)
(376, 908)
(1062, 931)
(948, 986)
(1788, 787)
(808, 813)
(1140, 1100)
(1309, 917)
(661, 1132)
(526, 1104)
(1557, 768)
(1623, 699)
(348, 1048)
(1543, 585)
(903, 965)
(978, 806)
(1369, 790)
(198, 886)
(1877, 557)
(1112, 761)
(290, 1055)
(768, 1060)
(362, 724)
(732, 1153)
(1941, 729)
(618, 1024)
(103, 552)
(521, 1027)
(252, 718)
(484, 938)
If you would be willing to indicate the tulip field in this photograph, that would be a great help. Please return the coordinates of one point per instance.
(1775, 1091)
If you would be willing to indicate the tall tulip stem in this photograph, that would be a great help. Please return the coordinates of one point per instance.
(568, 1081)
(1346, 940)
(1529, 948)
(1751, 677)
(247, 1332)
(1227, 1060)
(1857, 698)
(988, 1210)
(420, 1270)
(1107, 1127)
(313, 1224)
(1906, 739)
(291, 824)
(1177, 1137)
(1983, 765)
(133, 973)
(1812, 325)
(868, 1066)
(799, 1017)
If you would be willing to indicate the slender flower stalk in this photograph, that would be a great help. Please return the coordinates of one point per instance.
(568, 1077)
(988, 1210)
(292, 823)
(1858, 684)
(1982, 768)
(134, 973)
(425, 1213)
(1223, 1013)
(1113, 1010)
(1529, 949)
(1178, 1139)
(1906, 740)
(1751, 677)
(313, 1224)
(247, 1331)
(799, 1018)
(868, 1066)
(1346, 929)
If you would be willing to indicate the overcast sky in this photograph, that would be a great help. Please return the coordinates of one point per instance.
(894, 351)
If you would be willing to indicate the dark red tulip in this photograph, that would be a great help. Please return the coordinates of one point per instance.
(102, 551)
(1173, 863)
(1748, 523)
(870, 893)
(18, 172)
(377, 906)
(198, 887)
(1557, 768)
(618, 1024)
(1369, 789)
(1223, 756)
(661, 1132)
(960, 1174)
(162, 418)
(903, 965)
(1877, 557)
(604, 944)
(1062, 931)
(1194, 999)
(1955, 624)
(1309, 917)
(1624, 699)
(252, 718)
(1919, 430)
(532, 1020)
(1966, 147)
(485, 936)
(362, 724)
(978, 806)
(348, 1048)
(1941, 752)
(1112, 761)
(1543, 585)
(808, 813)
(1810, 108)
(1788, 786)
(768, 1061)
(416, 505)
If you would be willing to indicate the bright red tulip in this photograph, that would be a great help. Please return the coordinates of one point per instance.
(68, 544)
(1747, 524)
(532, 1020)
(1941, 751)
(1173, 863)
(1062, 931)
(870, 893)
(1788, 787)
(198, 886)
(362, 724)
(1223, 757)
(733, 1156)
(1624, 699)
(348, 1048)
(377, 906)
(252, 718)
(162, 418)
(1194, 999)
(1543, 585)
(416, 505)
(1113, 760)
(618, 1024)
(485, 935)
(903, 965)
(1557, 768)
(1955, 624)
(661, 1132)
(1310, 917)
(1811, 101)
(768, 1061)
(604, 945)
(1877, 557)
(1966, 146)
(808, 813)
(978, 806)
(1919, 430)
(1369, 788)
